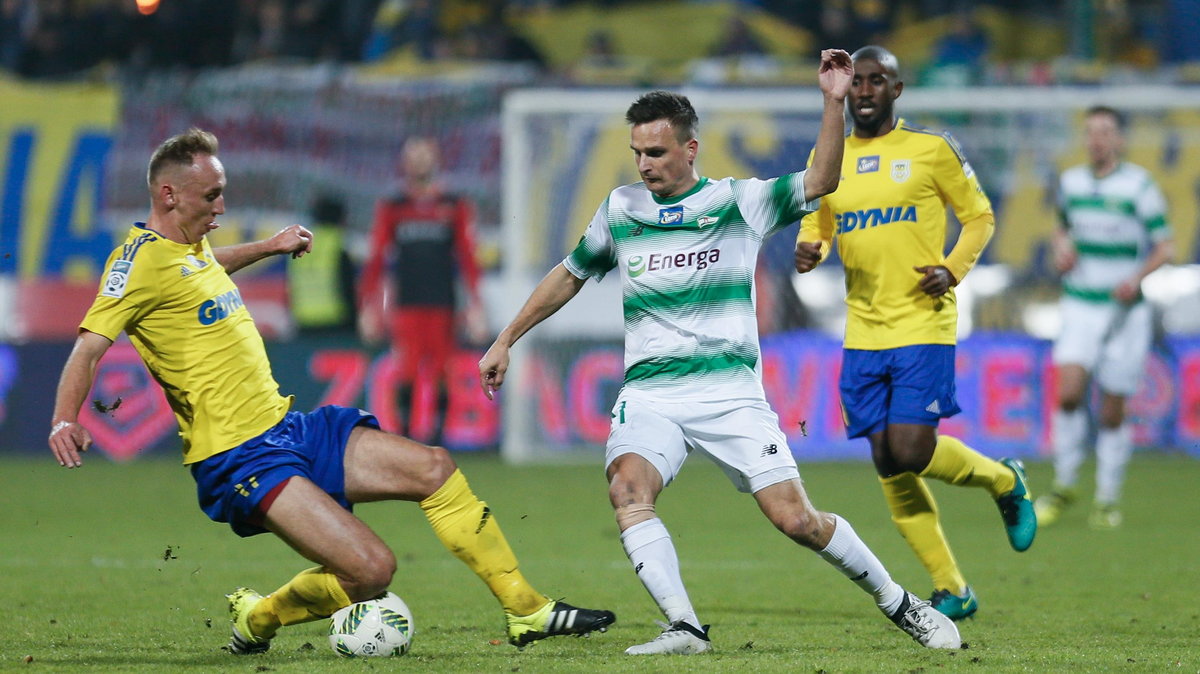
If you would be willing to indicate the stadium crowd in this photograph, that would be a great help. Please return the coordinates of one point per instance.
(64, 38)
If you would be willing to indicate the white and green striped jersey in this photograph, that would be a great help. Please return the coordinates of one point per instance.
(1114, 221)
(687, 275)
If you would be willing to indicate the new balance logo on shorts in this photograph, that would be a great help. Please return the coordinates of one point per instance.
(768, 450)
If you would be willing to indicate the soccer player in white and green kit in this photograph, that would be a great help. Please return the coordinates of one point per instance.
(685, 247)
(1114, 233)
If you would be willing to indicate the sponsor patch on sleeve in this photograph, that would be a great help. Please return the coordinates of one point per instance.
(117, 278)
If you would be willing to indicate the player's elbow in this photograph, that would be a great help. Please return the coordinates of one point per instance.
(817, 185)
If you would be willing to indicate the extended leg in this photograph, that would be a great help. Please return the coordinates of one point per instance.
(787, 506)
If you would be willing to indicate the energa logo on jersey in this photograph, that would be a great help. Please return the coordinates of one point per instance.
(701, 259)
(637, 266)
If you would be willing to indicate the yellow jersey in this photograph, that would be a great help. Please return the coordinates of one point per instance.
(187, 320)
(888, 216)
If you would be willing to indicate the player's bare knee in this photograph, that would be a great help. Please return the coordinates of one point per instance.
(440, 466)
(805, 526)
(625, 492)
(908, 459)
(370, 574)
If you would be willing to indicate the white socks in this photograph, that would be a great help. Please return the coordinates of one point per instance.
(852, 557)
(649, 548)
(1113, 449)
(1068, 435)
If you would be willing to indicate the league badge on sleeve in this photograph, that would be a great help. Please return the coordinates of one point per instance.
(118, 276)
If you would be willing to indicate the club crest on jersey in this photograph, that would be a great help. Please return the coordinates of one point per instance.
(706, 220)
(196, 262)
(118, 277)
(670, 216)
(868, 164)
(901, 170)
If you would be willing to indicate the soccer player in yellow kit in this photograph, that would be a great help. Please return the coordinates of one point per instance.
(889, 218)
(258, 465)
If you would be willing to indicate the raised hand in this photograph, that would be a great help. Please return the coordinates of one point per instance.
(835, 73)
(293, 239)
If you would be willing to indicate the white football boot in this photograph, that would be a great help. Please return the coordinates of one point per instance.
(678, 638)
(921, 621)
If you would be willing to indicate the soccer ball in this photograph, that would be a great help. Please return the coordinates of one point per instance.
(378, 627)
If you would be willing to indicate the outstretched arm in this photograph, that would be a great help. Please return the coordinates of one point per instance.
(834, 75)
(555, 290)
(293, 239)
(67, 438)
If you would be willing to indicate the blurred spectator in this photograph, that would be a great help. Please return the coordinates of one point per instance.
(738, 40)
(60, 41)
(321, 284)
(492, 38)
(16, 21)
(418, 28)
(599, 51)
(958, 56)
(354, 22)
(850, 24)
(261, 30)
(306, 29)
(1182, 25)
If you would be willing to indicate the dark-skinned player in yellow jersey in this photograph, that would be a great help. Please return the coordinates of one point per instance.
(888, 217)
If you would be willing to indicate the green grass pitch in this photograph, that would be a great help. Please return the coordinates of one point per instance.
(114, 568)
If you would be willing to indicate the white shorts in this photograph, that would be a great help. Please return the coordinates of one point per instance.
(1109, 340)
(741, 436)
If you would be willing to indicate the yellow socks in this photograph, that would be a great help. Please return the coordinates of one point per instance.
(465, 526)
(313, 594)
(958, 464)
(916, 516)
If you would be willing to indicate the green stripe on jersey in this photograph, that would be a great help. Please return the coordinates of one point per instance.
(1157, 222)
(1106, 249)
(718, 294)
(592, 260)
(1088, 294)
(1098, 203)
(707, 294)
(677, 368)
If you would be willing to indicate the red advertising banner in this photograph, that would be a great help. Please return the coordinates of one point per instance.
(1005, 387)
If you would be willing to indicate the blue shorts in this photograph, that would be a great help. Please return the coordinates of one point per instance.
(233, 483)
(908, 385)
